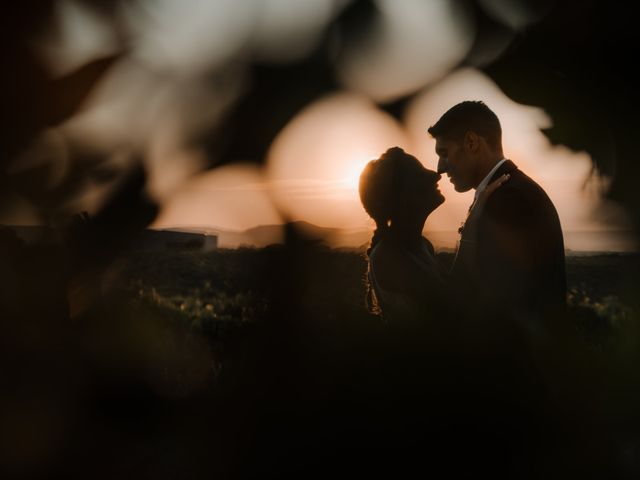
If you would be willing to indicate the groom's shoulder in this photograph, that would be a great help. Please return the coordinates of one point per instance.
(520, 200)
(513, 193)
(520, 189)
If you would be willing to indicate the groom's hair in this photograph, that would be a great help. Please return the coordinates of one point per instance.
(469, 116)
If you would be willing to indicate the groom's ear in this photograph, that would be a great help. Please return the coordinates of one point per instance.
(471, 141)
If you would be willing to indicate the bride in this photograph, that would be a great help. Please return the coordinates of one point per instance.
(405, 280)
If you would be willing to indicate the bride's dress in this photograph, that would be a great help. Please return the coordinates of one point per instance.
(408, 283)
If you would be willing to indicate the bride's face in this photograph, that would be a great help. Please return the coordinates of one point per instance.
(423, 192)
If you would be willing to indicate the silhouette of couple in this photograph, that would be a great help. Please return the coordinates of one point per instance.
(510, 257)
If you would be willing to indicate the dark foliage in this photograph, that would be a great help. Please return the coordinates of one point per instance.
(98, 384)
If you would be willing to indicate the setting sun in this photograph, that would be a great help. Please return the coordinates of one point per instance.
(315, 163)
(353, 168)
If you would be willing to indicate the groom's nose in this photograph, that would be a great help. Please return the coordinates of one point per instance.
(442, 165)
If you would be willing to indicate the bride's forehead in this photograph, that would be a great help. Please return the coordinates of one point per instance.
(417, 174)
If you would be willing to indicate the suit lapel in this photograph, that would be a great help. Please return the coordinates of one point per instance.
(506, 167)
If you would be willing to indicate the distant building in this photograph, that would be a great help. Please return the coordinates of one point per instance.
(176, 240)
(210, 242)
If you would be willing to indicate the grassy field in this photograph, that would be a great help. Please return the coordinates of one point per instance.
(221, 290)
(265, 361)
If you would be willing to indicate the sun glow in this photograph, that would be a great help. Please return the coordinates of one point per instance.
(315, 163)
(353, 168)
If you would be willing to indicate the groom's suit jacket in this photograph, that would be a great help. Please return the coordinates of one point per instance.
(519, 261)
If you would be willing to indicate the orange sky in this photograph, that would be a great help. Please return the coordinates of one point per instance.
(314, 164)
(160, 95)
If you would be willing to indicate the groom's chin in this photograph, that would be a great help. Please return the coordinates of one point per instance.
(461, 188)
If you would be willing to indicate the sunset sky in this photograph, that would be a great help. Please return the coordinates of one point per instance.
(186, 65)
(314, 165)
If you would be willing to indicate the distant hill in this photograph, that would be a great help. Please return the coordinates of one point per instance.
(264, 235)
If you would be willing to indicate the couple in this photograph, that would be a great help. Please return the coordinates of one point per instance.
(510, 258)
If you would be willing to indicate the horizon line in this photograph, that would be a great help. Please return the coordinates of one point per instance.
(239, 230)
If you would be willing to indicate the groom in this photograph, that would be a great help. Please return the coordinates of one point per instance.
(512, 251)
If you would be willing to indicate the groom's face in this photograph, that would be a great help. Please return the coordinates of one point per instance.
(456, 162)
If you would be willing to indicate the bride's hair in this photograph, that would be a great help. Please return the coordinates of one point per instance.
(381, 194)
(381, 188)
